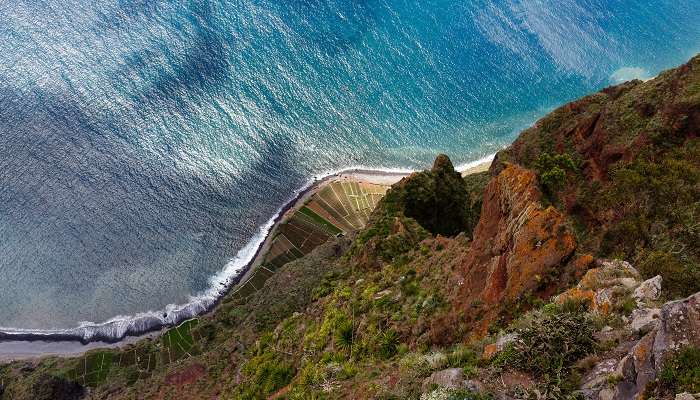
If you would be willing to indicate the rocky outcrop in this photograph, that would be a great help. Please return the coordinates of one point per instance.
(517, 243)
(437, 198)
(678, 326)
(649, 290)
(604, 287)
(614, 123)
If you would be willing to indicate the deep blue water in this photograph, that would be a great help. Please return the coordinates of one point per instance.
(144, 143)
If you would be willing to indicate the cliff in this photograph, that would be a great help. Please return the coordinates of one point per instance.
(508, 284)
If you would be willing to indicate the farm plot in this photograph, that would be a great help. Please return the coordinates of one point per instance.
(339, 207)
(179, 342)
(176, 344)
(346, 204)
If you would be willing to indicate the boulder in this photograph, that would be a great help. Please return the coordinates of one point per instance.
(603, 287)
(644, 320)
(649, 290)
(679, 327)
(451, 378)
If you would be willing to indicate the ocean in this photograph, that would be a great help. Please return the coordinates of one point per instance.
(146, 145)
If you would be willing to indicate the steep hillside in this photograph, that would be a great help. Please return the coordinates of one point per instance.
(509, 284)
(623, 163)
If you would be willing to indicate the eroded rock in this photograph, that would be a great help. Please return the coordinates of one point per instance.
(516, 243)
(451, 378)
(604, 287)
(649, 290)
(644, 320)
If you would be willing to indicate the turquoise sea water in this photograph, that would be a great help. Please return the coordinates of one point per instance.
(143, 144)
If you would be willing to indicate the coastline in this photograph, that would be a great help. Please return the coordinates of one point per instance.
(120, 331)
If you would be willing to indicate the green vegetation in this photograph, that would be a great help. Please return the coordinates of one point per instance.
(550, 341)
(682, 372)
(179, 343)
(552, 171)
(658, 227)
(95, 367)
(436, 199)
(373, 314)
(266, 372)
(451, 394)
(475, 184)
(320, 220)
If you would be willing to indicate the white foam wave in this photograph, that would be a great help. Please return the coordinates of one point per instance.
(471, 164)
(625, 74)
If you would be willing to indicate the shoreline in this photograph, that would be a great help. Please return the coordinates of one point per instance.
(16, 344)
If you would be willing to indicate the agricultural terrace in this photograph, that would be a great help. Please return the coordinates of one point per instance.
(338, 208)
(136, 361)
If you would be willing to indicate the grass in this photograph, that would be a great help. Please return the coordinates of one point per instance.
(682, 373)
(320, 220)
(178, 342)
(93, 368)
(550, 341)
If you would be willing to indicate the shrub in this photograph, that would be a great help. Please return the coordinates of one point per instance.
(266, 371)
(436, 199)
(452, 394)
(549, 343)
(682, 372)
(681, 278)
(552, 170)
(462, 357)
(654, 201)
(344, 335)
(388, 343)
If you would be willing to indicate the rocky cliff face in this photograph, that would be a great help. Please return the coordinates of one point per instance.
(519, 247)
(626, 171)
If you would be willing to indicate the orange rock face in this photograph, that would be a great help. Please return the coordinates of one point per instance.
(517, 244)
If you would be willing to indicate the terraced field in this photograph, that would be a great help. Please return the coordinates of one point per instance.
(176, 344)
(338, 208)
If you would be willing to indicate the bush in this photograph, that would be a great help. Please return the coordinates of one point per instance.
(549, 343)
(656, 206)
(266, 372)
(462, 357)
(388, 343)
(552, 170)
(344, 335)
(682, 373)
(681, 278)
